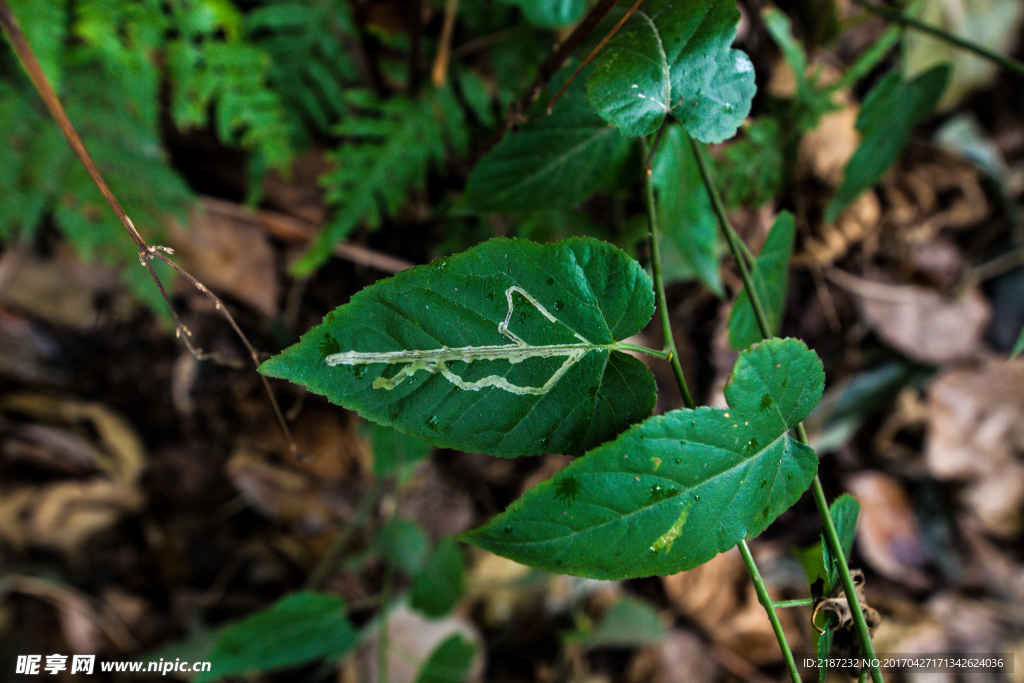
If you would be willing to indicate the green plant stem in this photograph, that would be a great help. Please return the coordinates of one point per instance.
(327, 562)
(659, 281)
(831, 537)
(896, 16)
(660, 355)
(836, 548)
(769, 607)
(670, 345)
(736, 247)
(785, 604)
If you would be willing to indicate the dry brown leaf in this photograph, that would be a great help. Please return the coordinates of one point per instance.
(499, 584)
(887, 531)
(64, 515)
(411, 639)
(64, 290)
(284, 495)
(920, 322)
(825, 150)
(720, 598)
(976, 434)
(228, 252)
(68, 436)
(113, 446)
(682, 658)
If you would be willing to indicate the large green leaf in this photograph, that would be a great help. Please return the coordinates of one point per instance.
(553, 161)
(691, 247)
(674, 56)
(510, 348)
(672, 492)
(770, 274)
(890, 112)
(298, 629)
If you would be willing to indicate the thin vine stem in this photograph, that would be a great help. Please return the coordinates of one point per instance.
(147, 252)
(659, 280)
(902, 19)
(831, 536)
(769, 607)
(322, 571)
(670, 346)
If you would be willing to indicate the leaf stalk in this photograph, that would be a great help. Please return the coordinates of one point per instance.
(659, 280)
(769, 607)
(831, 536)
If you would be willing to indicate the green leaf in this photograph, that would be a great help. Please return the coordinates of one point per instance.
(552, 162)
(1019, 346)
(510, 348)
(390, 146)
(44, 23)
(404, 543)
(552, 13)
(449, 662)
(627, 623)
(749, 170)
(677, 489)
(300, 628)
(844, 512)
(674, 56)
(770, 273)
(394, 453)
(887, 119)
(691, 247)
(438, 585)
(824, 647)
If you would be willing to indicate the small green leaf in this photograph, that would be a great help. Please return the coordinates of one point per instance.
(770, 273)
(844, 512)
(510, 348)
(404, 543)
(674, 56)
(298, 629)
(677, 489)
(552, 162)
(627, 623)
(824, 647)
(449, 662)
(438, 585)
(1019, 346)
(552, 13)
(691, 247)
(887, 119)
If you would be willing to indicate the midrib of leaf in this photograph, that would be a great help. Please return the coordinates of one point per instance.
(560, 160)
(435, 360)
(666, 73)
(674, 500)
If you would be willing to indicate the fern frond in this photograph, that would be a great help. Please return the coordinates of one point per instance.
(390, 148)
(310, 62)
(44, 23)
(210, 66)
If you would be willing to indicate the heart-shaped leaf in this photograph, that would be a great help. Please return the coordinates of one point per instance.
(674, 491)
(510, 348)
(674, 56)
